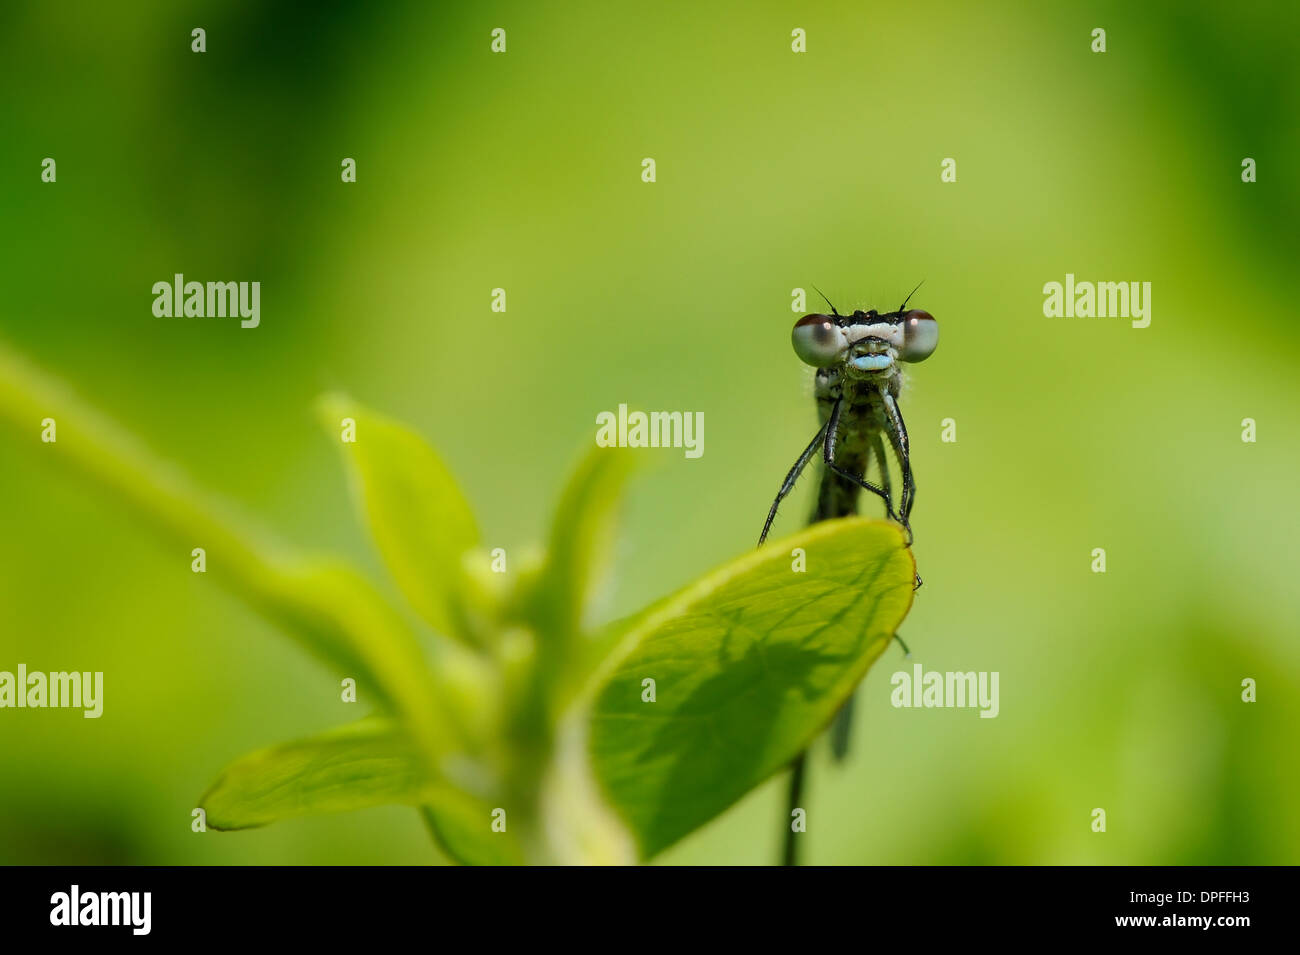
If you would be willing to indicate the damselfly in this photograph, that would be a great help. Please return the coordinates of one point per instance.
(857, 358)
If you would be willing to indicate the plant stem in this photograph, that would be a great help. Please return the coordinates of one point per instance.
(791, 856)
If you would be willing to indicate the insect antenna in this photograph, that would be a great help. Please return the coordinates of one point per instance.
(909, 296)
(827, 301)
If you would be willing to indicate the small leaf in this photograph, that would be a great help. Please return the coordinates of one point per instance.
(581, 541)
(417, 515)
(462, 824)
(559, 600)
(370, 763)
(749, 664)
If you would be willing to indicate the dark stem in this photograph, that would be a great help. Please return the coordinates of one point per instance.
(791, 856)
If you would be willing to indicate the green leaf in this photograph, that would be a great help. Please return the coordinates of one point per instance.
(370, 763)
(333, 611)
(462, 825)
(558, 601)
(750, 663)
(581, 541)
(417, 515)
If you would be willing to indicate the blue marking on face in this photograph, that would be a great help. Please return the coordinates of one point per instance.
(871, 362)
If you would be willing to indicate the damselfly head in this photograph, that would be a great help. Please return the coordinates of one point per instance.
(867, 344)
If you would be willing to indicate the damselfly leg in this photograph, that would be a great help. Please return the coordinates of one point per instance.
(788, 484)
(898, 438)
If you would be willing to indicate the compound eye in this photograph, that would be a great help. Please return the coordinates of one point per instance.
(817, 340)
(920, 336)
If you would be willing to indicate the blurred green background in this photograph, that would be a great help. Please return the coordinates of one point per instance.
(775, 171)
